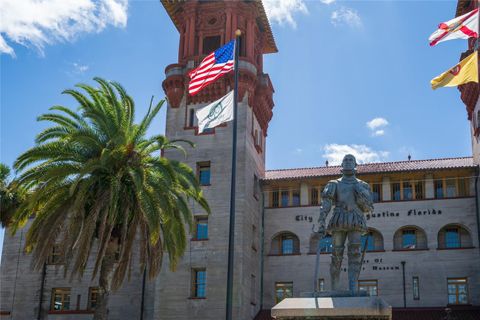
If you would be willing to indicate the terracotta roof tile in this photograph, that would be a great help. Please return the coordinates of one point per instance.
(381, 167)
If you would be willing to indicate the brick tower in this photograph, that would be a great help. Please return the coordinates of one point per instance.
(198, 287)
(470, 91)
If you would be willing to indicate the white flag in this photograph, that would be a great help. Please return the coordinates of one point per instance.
(215, 113)
(463, 27)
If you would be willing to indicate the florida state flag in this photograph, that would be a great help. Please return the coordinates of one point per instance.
(463, 27)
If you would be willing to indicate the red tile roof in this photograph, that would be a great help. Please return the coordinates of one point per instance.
(381, 167)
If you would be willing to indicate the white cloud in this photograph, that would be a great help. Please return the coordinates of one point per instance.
(79, 68)
(346, 16)
(334, 153)
(377, 126)
(377, 123)
(282, 11)
(327, 1)
(39, 23)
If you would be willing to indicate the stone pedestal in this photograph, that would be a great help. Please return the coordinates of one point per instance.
(333, 308)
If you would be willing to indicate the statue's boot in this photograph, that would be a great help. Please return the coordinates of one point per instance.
(336, 267)
(354, 266)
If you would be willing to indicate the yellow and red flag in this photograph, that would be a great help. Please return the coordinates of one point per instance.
(465, 71)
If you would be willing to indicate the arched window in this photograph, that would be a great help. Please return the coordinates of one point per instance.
(375, 240)
(285, 243)
(409, 238)
(453, 236)
(325, 243)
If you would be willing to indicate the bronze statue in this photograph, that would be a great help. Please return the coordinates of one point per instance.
(351, 199)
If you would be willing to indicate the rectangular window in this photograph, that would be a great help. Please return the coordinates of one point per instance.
(256, 186)
(438, 188)
(416, 288)
(463, 187)
(451, 187)
(287, 244)
(241, 47)
(377, 192)
(419, 187)
(295, 198)
(191, 118)
(201, 228)
(283, 290)
(409, 239)
(321, 285)
(199, 282)
(211, 44)
(253, 290)
(407, 190)
(55, 256)
(285, 198)
(203, 171)
(371, 286)
(275, 199)
(457, 290)
(254, 237)
(314, 196)
(368, 241)
(396, 195)
(92, 298)
(60, 299)
(452, 238)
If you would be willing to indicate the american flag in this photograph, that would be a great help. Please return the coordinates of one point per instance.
(215, 65)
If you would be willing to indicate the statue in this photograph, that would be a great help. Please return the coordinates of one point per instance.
(351, 199)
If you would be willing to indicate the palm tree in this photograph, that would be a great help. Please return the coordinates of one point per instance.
(97, 184)
(10, 196)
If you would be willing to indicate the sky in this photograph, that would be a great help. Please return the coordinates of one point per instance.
(350, 76)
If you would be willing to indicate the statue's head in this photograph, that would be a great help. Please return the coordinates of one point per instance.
(349, 164)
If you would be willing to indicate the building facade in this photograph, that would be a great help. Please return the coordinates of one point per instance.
(423, 242)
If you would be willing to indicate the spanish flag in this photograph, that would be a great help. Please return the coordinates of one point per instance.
(465, 71)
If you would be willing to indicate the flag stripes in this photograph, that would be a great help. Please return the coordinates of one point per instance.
(215, 65)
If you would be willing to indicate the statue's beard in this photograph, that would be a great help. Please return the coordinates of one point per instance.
(348, 172)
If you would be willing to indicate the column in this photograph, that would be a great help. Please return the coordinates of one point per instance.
(386, 192)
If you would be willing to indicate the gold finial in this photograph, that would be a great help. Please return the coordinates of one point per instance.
(238, 32)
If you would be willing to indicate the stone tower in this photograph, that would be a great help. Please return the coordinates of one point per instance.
(198, 287)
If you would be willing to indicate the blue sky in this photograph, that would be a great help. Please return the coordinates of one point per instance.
(340, 65)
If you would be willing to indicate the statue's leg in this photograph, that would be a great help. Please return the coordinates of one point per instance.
(354, 259)
(338, 245)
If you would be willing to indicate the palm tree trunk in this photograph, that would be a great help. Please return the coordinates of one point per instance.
(105, 284)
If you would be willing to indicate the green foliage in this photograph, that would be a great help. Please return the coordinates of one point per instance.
(94, 179)
(10, 196)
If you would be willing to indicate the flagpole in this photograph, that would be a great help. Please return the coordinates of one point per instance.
(231, 232)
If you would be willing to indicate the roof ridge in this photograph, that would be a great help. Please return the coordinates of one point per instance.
(372, 163)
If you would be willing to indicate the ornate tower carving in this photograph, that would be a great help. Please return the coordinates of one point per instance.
(206, 25)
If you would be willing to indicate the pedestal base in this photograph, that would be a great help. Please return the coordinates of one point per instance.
(333, 308)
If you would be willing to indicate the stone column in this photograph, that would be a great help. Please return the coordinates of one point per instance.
(429, 192)
(386, 193)
(303, 194)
